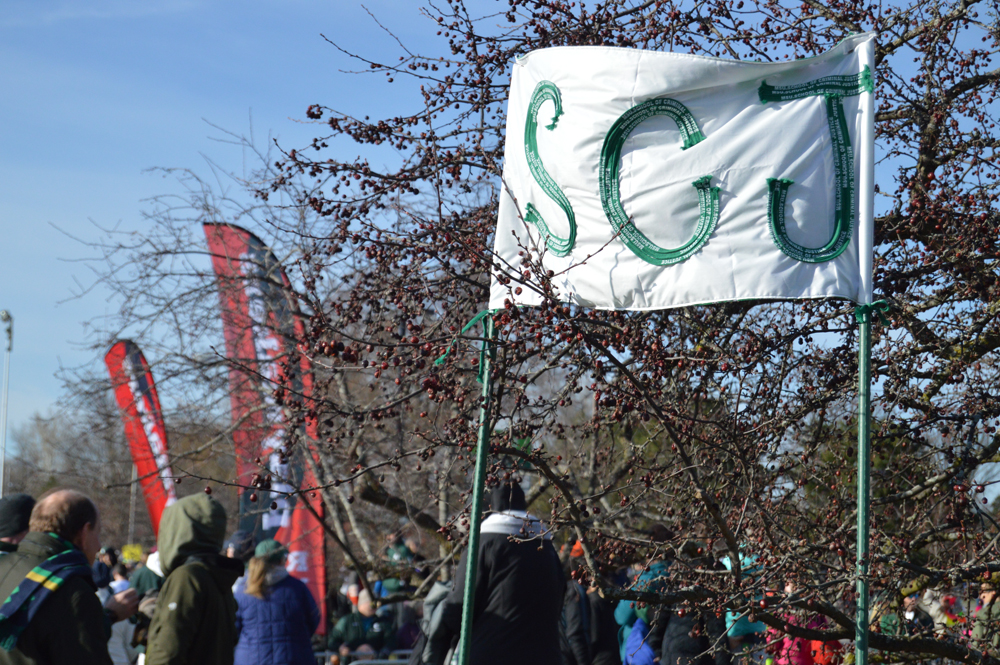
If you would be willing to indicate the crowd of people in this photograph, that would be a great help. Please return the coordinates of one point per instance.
(197, 598)
(67, 600)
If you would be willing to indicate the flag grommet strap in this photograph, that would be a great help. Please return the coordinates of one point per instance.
(863, 313)
(482, 352)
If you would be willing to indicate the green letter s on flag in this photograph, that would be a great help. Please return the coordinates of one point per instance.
(546, 91)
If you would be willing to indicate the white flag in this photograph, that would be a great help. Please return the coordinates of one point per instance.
(648, 180)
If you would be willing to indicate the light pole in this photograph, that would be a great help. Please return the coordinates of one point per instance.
(9, 320)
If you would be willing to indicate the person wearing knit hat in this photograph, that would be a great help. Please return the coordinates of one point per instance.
(271, 551)
(15, 511)
(519, 589)
(276, 614)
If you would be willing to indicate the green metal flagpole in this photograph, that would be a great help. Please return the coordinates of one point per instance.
(863, 313)
(864, 316)
(475, 519)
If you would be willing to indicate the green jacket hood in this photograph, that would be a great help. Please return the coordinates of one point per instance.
(193, 525)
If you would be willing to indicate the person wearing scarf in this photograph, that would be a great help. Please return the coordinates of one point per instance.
(50, 612)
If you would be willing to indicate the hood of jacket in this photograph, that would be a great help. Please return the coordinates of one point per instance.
(194, 525)
(507, 496)
(516, 523)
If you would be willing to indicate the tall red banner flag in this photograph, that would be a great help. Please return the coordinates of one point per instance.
(260, 321)
(144, 429)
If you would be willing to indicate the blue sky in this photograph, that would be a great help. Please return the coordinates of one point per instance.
(95, 93)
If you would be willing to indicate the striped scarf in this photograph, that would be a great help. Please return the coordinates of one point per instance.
(41, 582)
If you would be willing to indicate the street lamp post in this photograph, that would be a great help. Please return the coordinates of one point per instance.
(9, 320)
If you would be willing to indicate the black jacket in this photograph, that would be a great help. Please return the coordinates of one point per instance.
(603, 631)
(575, 626)
(69, 627)
(519, 593)
(689, 640)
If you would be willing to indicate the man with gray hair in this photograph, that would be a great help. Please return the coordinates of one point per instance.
(49, 611)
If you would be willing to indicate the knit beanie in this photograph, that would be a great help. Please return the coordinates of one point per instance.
(15, 512)
(271, 550)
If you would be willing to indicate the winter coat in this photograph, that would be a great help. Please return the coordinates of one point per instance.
(405, 624)
(575, 628)
(120, 645)
(653, 579)
(398, 553)
(277, 630)
(790, 650)
(636, 648)
(195, 620)
(519, 594)
(737, 623)
(69, 627)
(986, 631)
(436, 637)
(896, 623)
(603, 631)
(688, 640)
(144, 581)
(356, 629)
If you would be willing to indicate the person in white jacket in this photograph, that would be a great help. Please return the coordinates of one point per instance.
(120, 644)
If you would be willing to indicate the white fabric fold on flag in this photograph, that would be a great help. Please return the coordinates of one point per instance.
(725, 180)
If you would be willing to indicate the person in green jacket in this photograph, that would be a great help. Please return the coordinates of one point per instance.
(147, 578)
(55, 617)
(986, 631)
(195, 619)
(362, 627)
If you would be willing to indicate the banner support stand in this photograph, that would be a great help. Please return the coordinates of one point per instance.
(131, 504)
(479, 481)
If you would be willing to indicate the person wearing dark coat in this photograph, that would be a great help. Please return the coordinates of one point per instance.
(575, 633)
(276, 614)
(697, 638)
(15, 512)
(689, 640)
(603, 630)
(54, 616)
(912, 621)
(519, 588)
(195, 619)
(363, 628)
(148, 578)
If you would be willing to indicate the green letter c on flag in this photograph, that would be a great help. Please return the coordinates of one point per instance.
(708, 196)
(546, 91)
